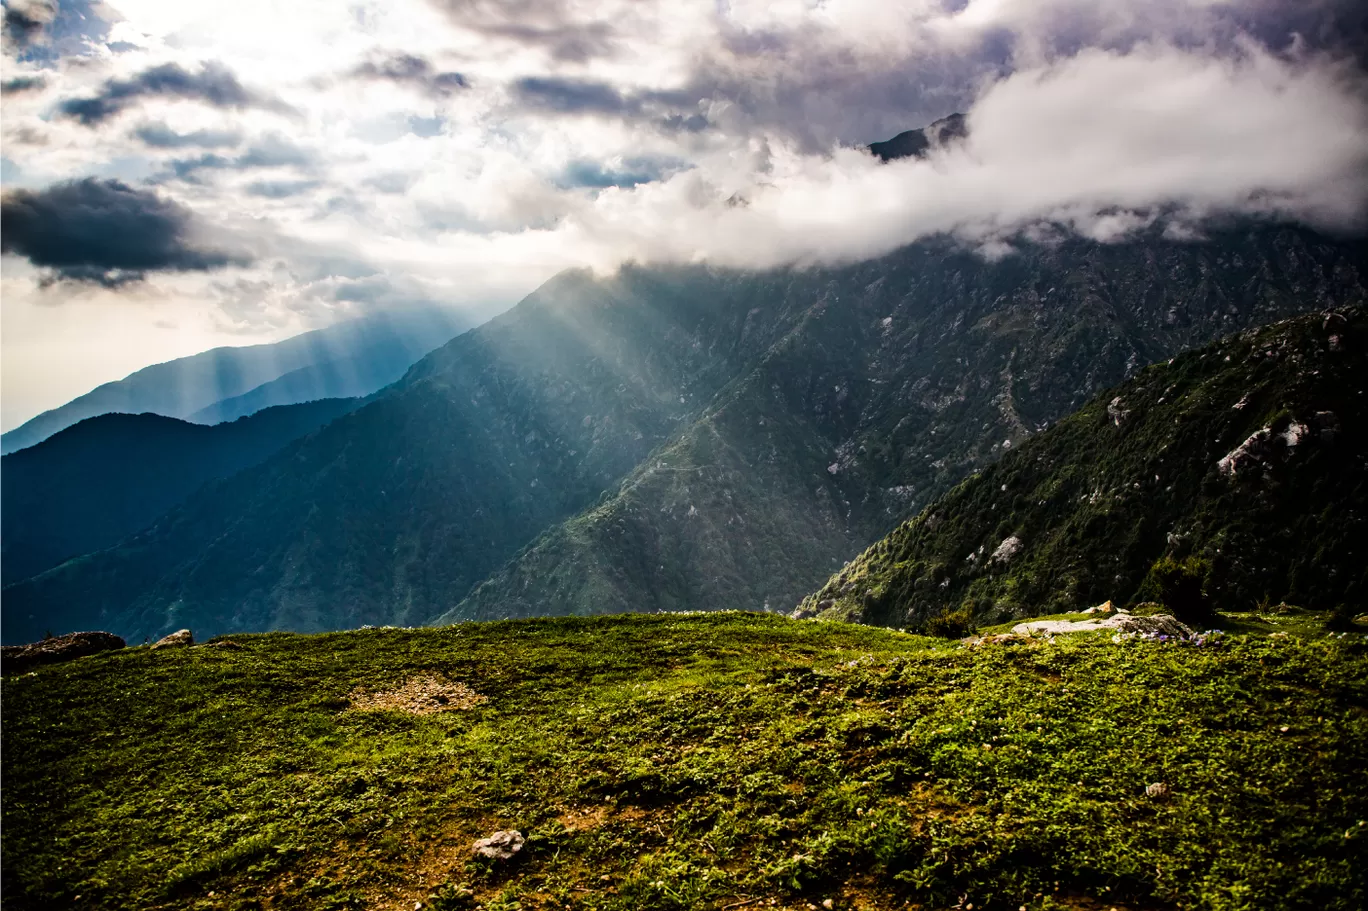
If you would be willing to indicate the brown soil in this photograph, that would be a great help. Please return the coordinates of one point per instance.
(425, 695)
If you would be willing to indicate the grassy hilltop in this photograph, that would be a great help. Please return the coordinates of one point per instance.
(722, 761)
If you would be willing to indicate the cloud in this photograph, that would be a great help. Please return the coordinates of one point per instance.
(411, 70)
(627, 172)
(214, 85)
(281, 189)
(26, 20)
(564, 32)
(161, 136)
(1101, 144)
(22, 84)
(269, 152)
(104, 232)
(572, 96)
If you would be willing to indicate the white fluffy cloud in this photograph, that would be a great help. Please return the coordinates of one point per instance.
(465, 150)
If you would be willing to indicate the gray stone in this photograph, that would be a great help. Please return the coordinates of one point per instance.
(502, 845)
(1158, 790)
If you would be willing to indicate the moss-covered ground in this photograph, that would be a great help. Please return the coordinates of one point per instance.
(721, 761)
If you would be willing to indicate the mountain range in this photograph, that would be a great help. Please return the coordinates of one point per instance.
(93, 484)
(675, 438)
(351, 358)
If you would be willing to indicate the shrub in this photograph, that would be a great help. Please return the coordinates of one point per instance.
(1181, 586)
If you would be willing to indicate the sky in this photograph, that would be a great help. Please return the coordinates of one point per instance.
(179, 175)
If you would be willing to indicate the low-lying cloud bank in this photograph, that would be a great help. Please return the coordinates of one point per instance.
(1103, 143)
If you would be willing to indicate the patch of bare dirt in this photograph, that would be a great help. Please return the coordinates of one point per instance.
(424, 695)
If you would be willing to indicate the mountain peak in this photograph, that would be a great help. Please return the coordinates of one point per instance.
(919, 143)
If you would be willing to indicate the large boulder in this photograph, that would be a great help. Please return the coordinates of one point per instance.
(16, 659)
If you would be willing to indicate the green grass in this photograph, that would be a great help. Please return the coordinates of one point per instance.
(693, 762)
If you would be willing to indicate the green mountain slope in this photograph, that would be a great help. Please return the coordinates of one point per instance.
(97, 482)
(633, 405)
(689, 763)
(1248, 455)
(904, 376)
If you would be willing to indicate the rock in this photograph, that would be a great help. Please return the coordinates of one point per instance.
(1104, 608)
(1007, 549)
(179, 638)
(803, 613)
(1158, 625)
(16, 659)
(1158, 790)
(502, 845)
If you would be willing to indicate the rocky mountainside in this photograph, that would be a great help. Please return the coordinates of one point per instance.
(1244, 459)
(904, 376)
(97, 482)
(681, 437)
(191, 386)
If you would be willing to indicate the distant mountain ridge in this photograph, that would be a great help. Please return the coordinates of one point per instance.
(95, 483)
(681, 437)
(184, 386)
(343, 378)
(1247, 454)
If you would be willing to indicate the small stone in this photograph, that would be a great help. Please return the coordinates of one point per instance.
(1284, 729)
(1156, 790)
(178, 639)
(827, 903)
(502, 845)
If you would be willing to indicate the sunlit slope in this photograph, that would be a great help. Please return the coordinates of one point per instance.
(904, 376)
(719, 438)
(690, 764)
(1248, 455)
(395, 511)
(95, 483)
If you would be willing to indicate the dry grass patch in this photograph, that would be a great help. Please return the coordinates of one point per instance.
(425, 695)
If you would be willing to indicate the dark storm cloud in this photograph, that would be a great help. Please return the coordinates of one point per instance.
(214, 85)
(103, 231)
(160, 136)
(544, 24)
(414, 71)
